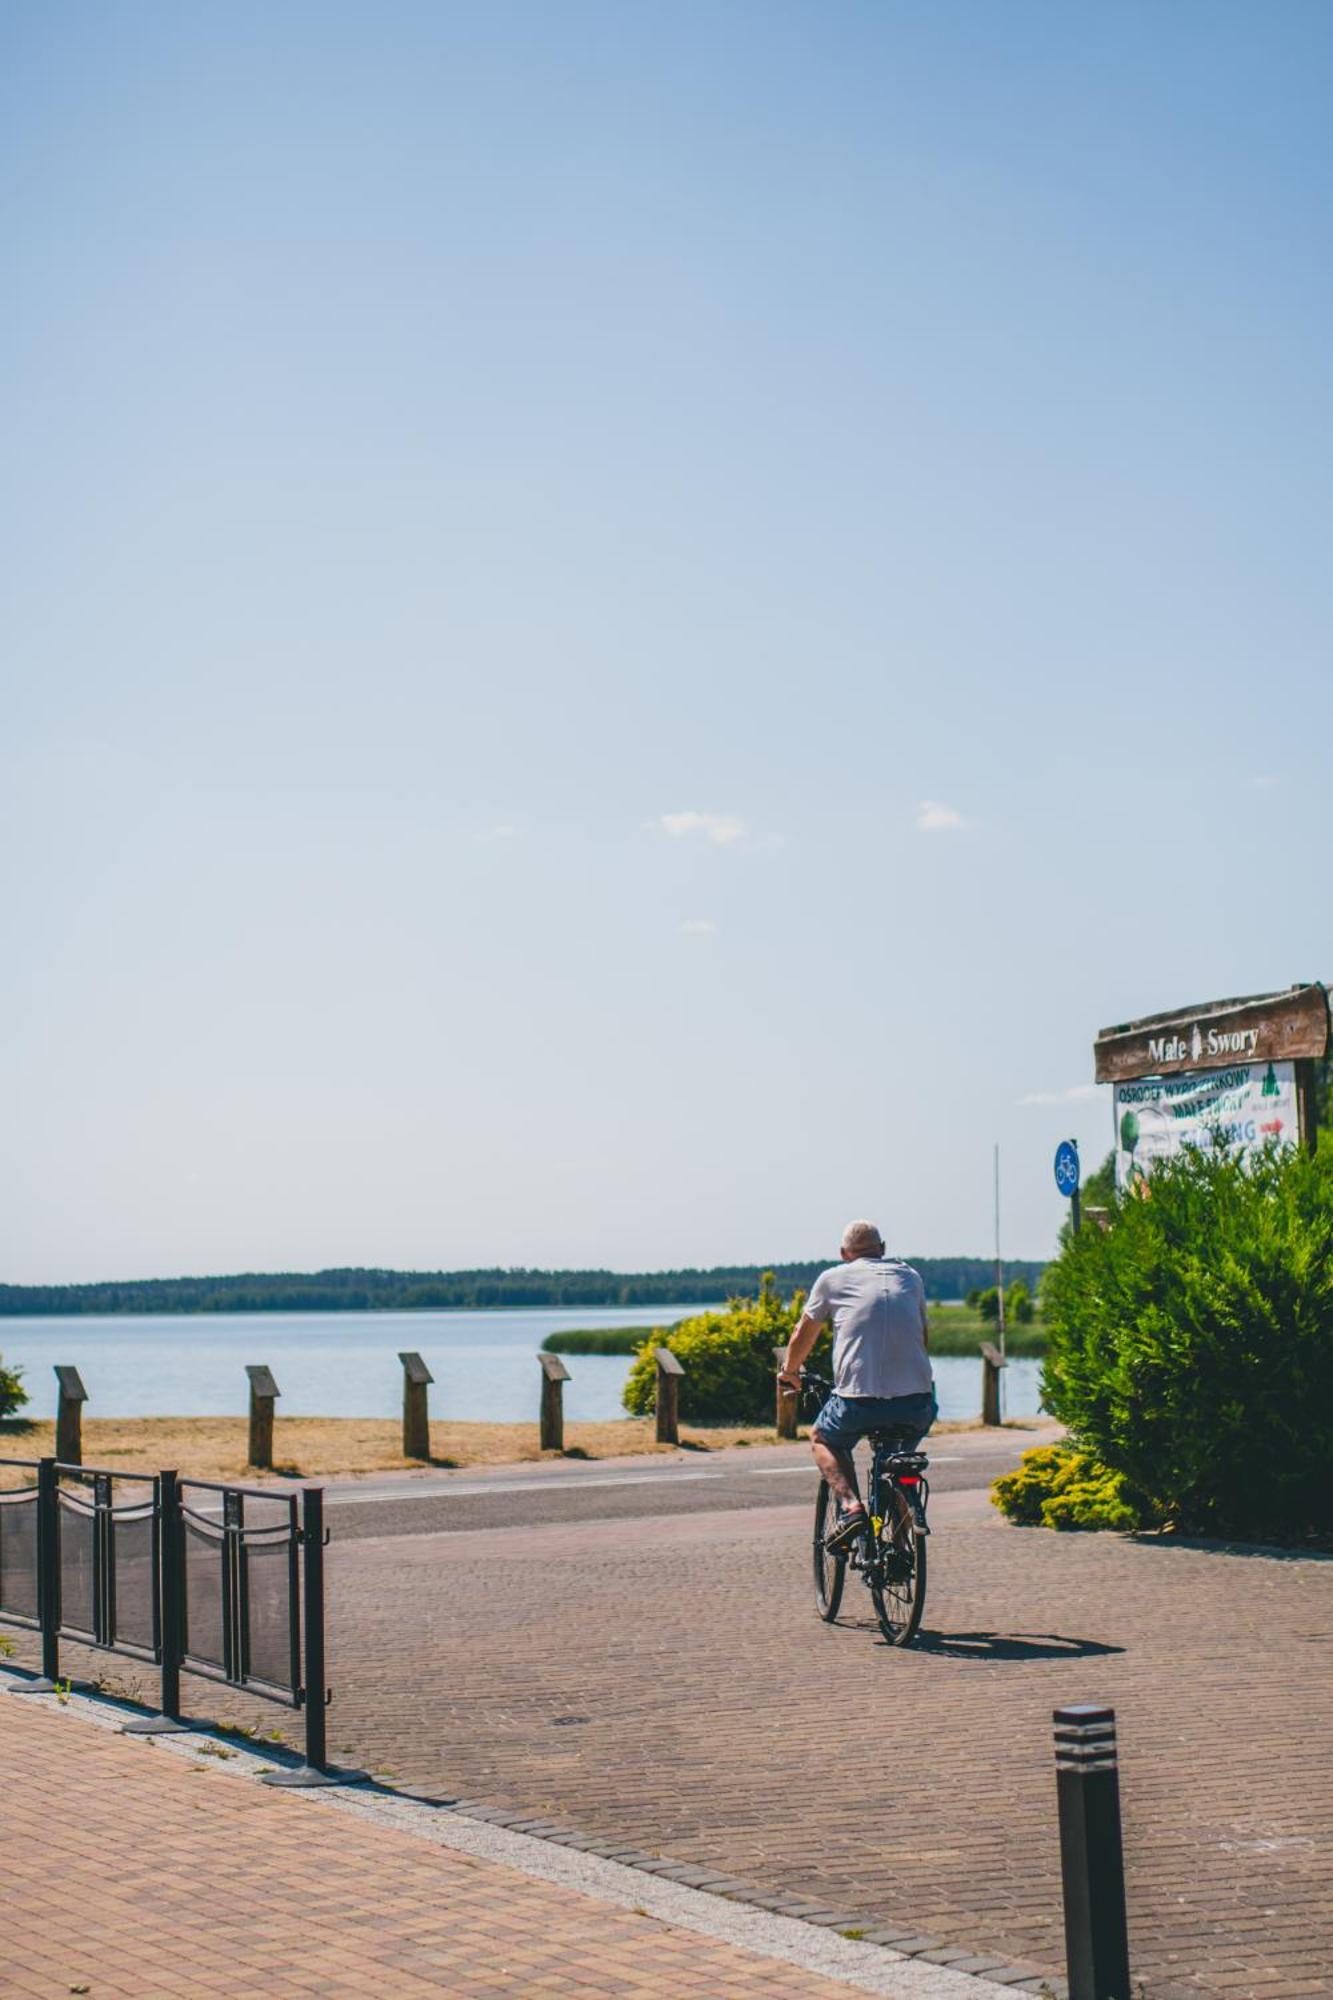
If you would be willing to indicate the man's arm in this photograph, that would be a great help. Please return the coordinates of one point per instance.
(804, 1336)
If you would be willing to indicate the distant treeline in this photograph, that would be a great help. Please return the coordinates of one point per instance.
(396, 1291)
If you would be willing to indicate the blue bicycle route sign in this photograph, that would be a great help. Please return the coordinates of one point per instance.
(1066, 1167)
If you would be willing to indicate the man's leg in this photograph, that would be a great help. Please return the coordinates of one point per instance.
(840, 1473)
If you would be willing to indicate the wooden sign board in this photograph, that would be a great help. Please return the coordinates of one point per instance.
(1266, 1027)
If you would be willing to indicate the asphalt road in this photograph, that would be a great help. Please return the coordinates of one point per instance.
(561, 1492)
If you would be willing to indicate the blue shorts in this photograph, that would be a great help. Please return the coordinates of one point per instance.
(845, 1419)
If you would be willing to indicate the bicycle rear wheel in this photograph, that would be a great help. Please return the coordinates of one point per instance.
(830, 1570)
(898, 1579)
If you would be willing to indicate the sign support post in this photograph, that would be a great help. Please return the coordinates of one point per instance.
(1307, 1104)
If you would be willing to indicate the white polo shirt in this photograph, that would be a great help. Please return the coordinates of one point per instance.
(878, 1309)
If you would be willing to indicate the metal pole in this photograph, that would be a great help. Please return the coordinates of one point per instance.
(170, 1612)
(171, 1531)
(48, 1582)
(999, 1267)
(312, 1538)
(1092, 1862)
(48, 1563)
(316, 1770)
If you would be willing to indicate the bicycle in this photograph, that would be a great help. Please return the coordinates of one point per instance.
(890, 1556)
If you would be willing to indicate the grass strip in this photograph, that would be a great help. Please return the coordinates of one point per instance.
(954, 1329)
(601, 1339)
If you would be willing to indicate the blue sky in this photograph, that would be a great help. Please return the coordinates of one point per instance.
(628, 624)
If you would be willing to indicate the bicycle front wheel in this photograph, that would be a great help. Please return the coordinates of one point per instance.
(830, 1570)
(898, 1578)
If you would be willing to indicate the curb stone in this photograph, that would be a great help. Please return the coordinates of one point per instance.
(900, 1943)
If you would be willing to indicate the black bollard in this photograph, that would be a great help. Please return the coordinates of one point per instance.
(1092, 1861)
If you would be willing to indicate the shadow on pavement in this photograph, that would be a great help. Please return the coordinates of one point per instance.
(1278, 1552)
(1021, 1646)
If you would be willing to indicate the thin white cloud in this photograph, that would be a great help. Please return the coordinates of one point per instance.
(720, 828)
(1077, 1093)
(932, 816)
(486, 836)
(698, 927)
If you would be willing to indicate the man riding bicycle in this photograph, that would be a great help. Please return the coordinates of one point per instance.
(882, 1377)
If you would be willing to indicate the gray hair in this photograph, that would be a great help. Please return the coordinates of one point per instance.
(862, 1239)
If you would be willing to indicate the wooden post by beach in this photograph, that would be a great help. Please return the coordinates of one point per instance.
(264, 1392)
(554, 1377)
(416, 1411)
(669, 1372)
(69, 1416)
(789, 1402)
(992, 1361)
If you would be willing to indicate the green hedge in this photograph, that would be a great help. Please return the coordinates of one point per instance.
(727, 1357)
(1190, 1344)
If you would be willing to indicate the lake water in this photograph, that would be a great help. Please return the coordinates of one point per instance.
(345, 1364)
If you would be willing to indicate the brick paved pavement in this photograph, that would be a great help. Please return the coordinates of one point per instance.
(663, 1682)
(727, 1726)
(137, 1874)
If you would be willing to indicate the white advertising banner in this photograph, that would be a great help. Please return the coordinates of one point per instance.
(1245, 1106)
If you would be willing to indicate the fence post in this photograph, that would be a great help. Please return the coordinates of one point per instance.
(1092, 1862)
(789, 1402)
(69, 1416)
(48, 1583)
(554, 1377)
(316, 1770)
(669, 1372)
(992, 1361)
(263, 1392)
(170, 1612)
(416, 1410)
(316, 1690)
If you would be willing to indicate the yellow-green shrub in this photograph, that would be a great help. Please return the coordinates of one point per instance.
(727, 1357)
(13, 1395)
(1058, 1486)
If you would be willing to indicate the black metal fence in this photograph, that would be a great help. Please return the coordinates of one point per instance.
(226, 1582)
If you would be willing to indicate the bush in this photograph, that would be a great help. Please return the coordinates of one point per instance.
(727, 1357)
(1058, 1486)
(1019, 1309)
(1190, 1344)
(13, 1395)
